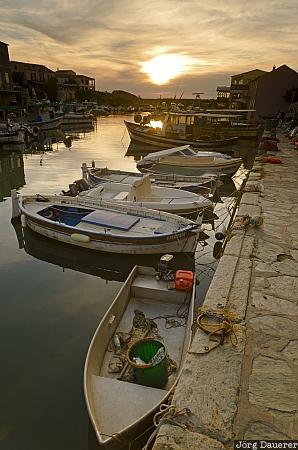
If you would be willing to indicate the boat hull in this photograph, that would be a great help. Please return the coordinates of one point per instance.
(227, 169)
(182, 243)
(182, 238)
(47, 124)
(152, 301)
(82, 120)
(139, 135)
(198, 185)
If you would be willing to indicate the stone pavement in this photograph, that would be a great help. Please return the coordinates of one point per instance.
(248, 390)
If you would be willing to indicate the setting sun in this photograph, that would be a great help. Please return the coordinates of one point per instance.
(164, 68)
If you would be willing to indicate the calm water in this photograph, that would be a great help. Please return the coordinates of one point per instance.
(53, 296)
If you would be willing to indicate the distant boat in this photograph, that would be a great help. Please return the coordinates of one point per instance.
(73, 118)
(120, 407)
(11, 136)
(187, 160)
(47, 124)
(100, 111)
(204, 185)
(103, 226)
(140, 192)
(166, 137)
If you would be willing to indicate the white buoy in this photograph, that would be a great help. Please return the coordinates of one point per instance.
(80, 238)
(220, 232)
(15, 210)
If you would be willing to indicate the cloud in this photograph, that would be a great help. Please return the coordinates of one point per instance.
(110, 39)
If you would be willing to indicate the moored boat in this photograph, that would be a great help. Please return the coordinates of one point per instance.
(11, 134)
(103, 226)
(47, 124)
(187, 160)
(11, 137)
(173, 134)
(73, 118)
(135, 358)
(140, 192)
(204, 185)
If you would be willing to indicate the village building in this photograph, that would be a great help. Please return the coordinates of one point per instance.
(223, 95)
(32, 77)
(9, 92)
(239, 90)
(273, 92)
(69, 84)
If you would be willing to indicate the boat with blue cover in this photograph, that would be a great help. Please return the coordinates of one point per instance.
(106, 226)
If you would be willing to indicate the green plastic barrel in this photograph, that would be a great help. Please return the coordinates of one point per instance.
(148, 359)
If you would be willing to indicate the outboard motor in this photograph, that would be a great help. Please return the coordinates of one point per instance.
(164, 271)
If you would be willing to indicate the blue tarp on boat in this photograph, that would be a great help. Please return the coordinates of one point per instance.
(111, 219)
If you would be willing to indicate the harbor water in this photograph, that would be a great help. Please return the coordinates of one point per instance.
(53, 296)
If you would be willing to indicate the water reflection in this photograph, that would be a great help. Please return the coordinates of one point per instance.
(78, 130)
(12, 174)
(53, 296)
(139, 150)
(46, 141)
(109, 267)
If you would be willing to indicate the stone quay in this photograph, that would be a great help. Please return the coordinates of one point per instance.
(246, 387)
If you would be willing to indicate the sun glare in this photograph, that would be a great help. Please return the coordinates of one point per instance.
(164, 68)
(156, 123)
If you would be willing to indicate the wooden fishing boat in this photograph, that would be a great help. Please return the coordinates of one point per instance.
(140, 192)
(204, 185)
(107, 227)
(173, 135)
(187, 160)
(121, 402)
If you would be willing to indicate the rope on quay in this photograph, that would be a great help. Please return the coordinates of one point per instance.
(166, 414)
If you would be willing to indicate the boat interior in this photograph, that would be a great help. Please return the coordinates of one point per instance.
(104, 220)
(124, 399)
(140, 190)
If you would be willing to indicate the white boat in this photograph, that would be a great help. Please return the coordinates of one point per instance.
(106, 226)
(47, 123)
(100, 111)
(73, 118)
(204, 185)
(187, 160)
(140, 192)
(11, 134)
(120, 407)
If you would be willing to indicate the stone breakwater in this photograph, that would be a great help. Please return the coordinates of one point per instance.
(248, 390)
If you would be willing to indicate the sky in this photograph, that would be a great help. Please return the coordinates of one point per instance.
(156, 47)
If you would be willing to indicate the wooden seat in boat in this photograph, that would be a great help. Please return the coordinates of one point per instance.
(121, 195)
(124, 402)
